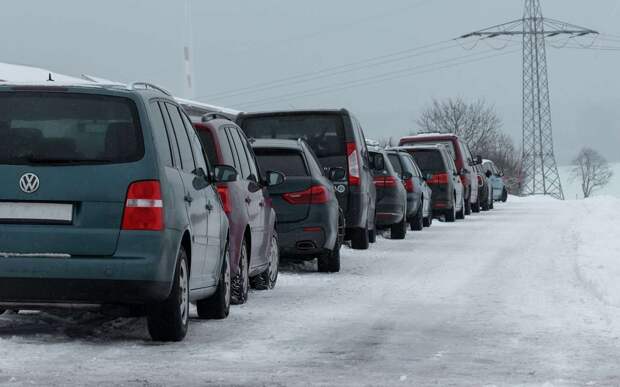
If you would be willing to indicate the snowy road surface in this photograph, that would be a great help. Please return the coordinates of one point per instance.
(513, 297)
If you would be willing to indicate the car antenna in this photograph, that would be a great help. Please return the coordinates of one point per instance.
(49, 78)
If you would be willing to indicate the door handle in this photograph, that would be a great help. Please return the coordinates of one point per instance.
(209, 206)
(189, 199)
(248, 200)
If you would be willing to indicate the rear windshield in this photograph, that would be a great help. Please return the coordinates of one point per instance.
(209, 145)
(395, 160)
(323, 132)
(290, 163)
(65, 128)
(447, 143)
(429, 161)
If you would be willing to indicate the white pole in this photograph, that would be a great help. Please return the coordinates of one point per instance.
(187, 52)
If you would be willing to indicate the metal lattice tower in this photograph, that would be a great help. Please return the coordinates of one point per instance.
(539, 169)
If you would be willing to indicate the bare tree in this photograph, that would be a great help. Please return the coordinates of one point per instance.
(593, 171)
(476, 123)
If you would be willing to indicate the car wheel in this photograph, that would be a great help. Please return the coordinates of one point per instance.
(241, 281)
(475, 207)
(329, 262)
(504, 196)
(372, 236)
(399, 230)
(267, 279)
(2, 311)
(467, 206)
(417, 224)
(360, 238)
(428, 222)
(217, 306)
(169, 320)
(461, 214)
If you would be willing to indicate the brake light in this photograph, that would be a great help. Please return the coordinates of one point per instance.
(144, 208)
(316, 194)
(353, 163)
(439, 178)
(409, 185)
(225, 198)
(385, 181)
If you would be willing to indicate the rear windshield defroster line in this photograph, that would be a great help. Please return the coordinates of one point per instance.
(53, 128)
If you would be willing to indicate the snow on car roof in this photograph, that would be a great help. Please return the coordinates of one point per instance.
(207, 107)
(22, 74)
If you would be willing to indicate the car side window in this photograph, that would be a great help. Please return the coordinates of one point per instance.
(313, 162)
(159, 126)
(361, 141)
(249, 154)
(197, 148)
(185, 148)
(233, 149)
(237, 143)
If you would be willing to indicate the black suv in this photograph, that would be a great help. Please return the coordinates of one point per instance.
(337, 139)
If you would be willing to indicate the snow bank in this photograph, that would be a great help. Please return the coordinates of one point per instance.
(597, 247)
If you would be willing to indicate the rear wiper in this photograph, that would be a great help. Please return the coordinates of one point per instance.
(41, 160)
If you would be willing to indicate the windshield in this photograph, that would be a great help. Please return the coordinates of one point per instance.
(448, 144)
(63, 128)
(323, 132)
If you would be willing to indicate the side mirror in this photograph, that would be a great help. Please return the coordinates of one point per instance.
(478, 160)
(201, 180)
(274, 178)
(337, 174)
(224, 174)
(407, 175)
(489, 174)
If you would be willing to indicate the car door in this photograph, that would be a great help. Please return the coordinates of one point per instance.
(215, 213)
(195, 200)
(248, 187)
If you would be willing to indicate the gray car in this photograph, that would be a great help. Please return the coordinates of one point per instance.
(107, 201)
(309, 221)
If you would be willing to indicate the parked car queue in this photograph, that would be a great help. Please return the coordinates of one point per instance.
(116, 199)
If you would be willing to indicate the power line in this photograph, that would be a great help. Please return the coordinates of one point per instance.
(335, 70)
(432, 67)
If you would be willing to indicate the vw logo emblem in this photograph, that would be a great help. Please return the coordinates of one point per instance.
(29, 183)
(340, 188)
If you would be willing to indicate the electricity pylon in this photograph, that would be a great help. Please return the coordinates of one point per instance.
(539, 169)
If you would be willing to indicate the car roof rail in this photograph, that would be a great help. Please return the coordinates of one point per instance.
(214, 116)
(146, 85)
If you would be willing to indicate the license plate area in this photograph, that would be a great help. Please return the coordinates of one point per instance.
(36, 213)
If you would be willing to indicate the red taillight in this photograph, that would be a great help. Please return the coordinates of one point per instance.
(354, 164)
(224, 196)
(480, 181)
(409, 185)
(385, 181)
(144, 208)
(439, 178)
(314, 195)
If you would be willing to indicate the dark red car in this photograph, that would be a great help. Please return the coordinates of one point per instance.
(254, 251)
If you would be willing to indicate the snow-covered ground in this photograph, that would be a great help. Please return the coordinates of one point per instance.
(525, 295)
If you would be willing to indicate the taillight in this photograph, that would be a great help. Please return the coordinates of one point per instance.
(316, 194)
(353, 163)
(225, 197)
(409, 185)
(144, 208)
(385, 181)
(480, 181)
(439, 178)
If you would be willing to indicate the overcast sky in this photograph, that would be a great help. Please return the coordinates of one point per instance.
(238, 44)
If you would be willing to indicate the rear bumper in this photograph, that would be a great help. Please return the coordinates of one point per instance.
(141, 271)
(43, 291)
(311, 237)
(389, 212)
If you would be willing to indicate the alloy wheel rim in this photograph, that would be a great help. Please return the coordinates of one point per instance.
(184, 288)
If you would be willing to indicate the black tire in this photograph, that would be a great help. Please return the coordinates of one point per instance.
(217, 306)
(399, 230)
(486, 206)
(504, 196)
(372, 236)
(329, 262)
(241, 282)
(2, 311)
(268, 279)
(360, 238)
(169, 320)
(475, 207)
(492, 204)
(467, 206)
(451, 212)
(428, 222)
(417, 224)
